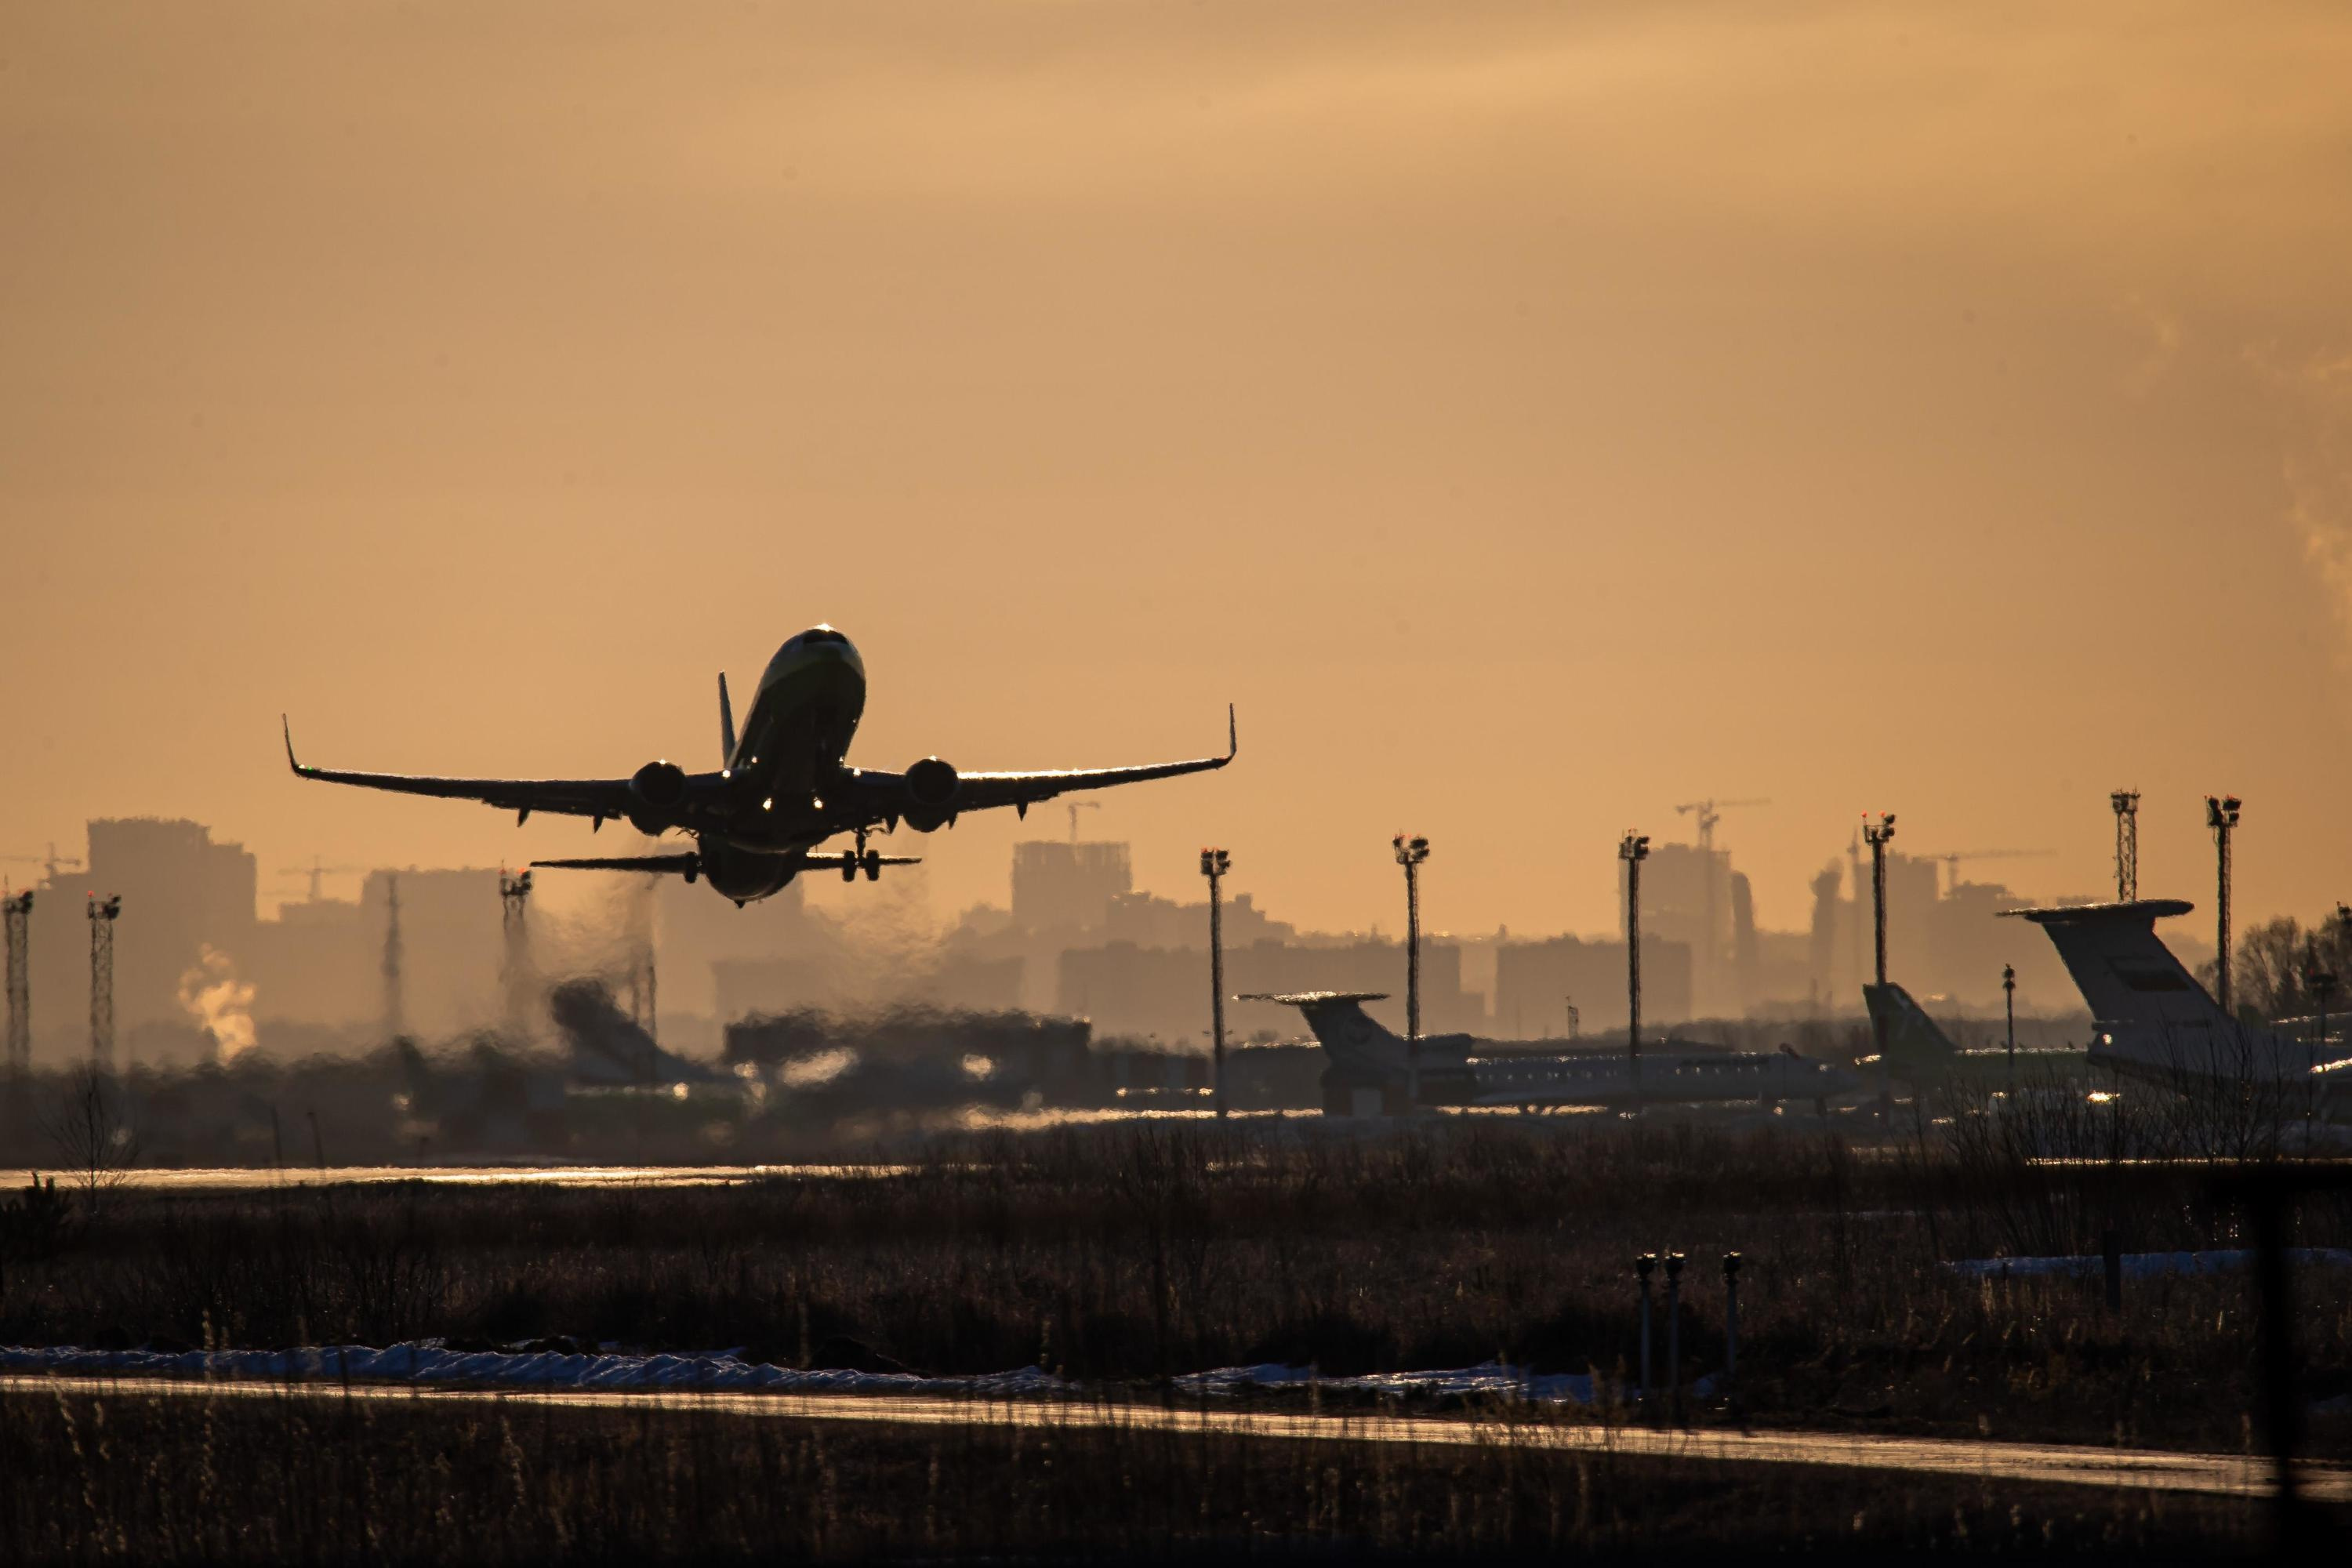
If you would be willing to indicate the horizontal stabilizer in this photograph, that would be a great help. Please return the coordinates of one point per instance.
(688, 864)
(1308, 998)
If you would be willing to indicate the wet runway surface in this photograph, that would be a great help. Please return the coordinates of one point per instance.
(2136, 1469)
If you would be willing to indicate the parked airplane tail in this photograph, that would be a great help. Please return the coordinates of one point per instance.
(2126, 973)
(1913, 1039)
(1358, 1044)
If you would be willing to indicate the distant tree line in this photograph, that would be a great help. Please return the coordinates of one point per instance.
(2278, 963)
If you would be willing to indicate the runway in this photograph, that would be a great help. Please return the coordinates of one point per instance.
(2129, 1470)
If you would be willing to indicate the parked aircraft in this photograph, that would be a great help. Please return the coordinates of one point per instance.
(2152, 1020)
(1922, 1055)
(782, 787)
(1373, 1068)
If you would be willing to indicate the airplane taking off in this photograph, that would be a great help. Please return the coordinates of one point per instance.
(1371, 1060)
(2151, 1020)
(782, 787)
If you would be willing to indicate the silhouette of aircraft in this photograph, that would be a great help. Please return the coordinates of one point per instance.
(782, 787)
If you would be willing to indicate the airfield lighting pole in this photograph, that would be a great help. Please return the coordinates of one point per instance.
(2008, 1002)
(1876, 834)
(514, 961)
(18, 911)
(1642, 1268)
(1731, 1261)
(1409, 853)
(103, 913)
(2221, 817)
(1214, 864)
(1675, 1332)
(2126, 804)
(1633, 849)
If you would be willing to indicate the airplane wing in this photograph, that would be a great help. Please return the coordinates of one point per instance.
(979, 792)
(598, 799)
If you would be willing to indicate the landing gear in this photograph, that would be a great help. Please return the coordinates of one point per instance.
(870, 860)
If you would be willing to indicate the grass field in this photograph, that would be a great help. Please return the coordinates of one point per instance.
(92, 1475)
(1130, 1253)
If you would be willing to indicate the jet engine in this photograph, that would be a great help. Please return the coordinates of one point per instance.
(931, 788)
(657, 787)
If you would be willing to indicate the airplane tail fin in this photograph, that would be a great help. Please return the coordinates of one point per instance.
(725, 725)
(2126, 973)
(1358, 1044)
(1911, 1036)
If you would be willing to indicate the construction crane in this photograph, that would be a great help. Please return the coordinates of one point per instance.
(1711, 812)
(1952, 861)
(316, 869)
(1077, 806)
(50, 863)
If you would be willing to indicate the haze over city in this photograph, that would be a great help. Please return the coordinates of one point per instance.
(1531, 417)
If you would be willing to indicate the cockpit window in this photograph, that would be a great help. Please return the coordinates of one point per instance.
(821, 634)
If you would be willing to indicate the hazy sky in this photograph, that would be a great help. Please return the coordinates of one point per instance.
(1532, 415)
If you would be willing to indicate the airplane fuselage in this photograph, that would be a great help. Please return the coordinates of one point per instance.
(803, 715)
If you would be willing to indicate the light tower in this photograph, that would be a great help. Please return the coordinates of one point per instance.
(1214, 864)
(514, 906)
(2126, 804)
(1633, 849)
(103, 913)
(1409, 853)
(17, 908)
(2221, 817)
(1876, 834)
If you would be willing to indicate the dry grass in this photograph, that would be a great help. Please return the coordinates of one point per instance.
(94, 1475)
(1135, 1252)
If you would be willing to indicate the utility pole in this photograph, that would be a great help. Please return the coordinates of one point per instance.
(1633, 849)
(102, 915)
(2008, 1001)
(1214, 864)
(18, 909)
(2221, 817)
(2126, 804)
(1876, 834)
(1409, 853)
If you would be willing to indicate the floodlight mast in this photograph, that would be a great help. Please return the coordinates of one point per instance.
(103, 913)
(1633, 849)
(2127, 806)
(2221, 817)
(1214, 864)
(1876, 834)
(1410, 854)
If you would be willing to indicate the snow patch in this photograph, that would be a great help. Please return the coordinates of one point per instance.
(430, 1360)
(1493, 1379)
(2144, 1264)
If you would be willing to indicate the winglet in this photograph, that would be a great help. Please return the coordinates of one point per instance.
(288, 729)
(725, 725)
(1233, 734)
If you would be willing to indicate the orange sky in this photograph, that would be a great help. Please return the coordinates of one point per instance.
(1531, 415)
